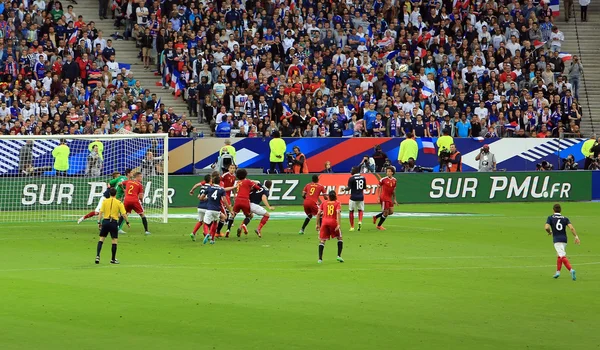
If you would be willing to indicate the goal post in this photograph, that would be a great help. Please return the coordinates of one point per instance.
(63, 177)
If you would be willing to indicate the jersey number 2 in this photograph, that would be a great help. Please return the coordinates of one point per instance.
(130, 191)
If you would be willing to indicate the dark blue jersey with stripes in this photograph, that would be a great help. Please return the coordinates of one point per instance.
(357, 184)
(559, 225)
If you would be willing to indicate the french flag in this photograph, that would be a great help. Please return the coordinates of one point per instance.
(537, 44)
(286, 109)
(427, 36)
(73, 37)
(422, 52)
(426, 92)
(157, 105)
(292, 5)
(565, 56)
(428, 146)
(446, 88)
(392, 54)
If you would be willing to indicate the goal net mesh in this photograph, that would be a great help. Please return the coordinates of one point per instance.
(50, 179)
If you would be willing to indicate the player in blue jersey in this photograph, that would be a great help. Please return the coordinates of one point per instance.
(215, 197)
(256, 197)
(356, 185)
(202, 205)
(556, 225)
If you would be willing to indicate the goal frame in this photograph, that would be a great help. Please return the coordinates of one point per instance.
(164, 137)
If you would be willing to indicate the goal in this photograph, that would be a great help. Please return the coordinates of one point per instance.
(63, 177)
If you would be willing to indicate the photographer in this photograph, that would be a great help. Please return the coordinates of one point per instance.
(453, 160)
(543, 166)
(411, 167)
(569, 163)
(487, 160)
(299, 165)
(443, 144)
(380, 158)
(367, 165)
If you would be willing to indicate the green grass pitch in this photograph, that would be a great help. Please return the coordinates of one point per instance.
(479, 281)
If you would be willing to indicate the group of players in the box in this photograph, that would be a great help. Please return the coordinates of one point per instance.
(215, 209)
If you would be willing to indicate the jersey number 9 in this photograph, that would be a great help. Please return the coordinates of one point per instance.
(312, 191)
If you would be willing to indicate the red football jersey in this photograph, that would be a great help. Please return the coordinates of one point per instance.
(228, 181)
(388, 187)
(244, 188)
(313, 192)
(330, 210)
(133, 189)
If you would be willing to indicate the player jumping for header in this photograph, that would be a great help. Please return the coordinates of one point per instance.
(228, 179)
(134, 194)
(215, 197)
(115, 182)
(387, 197)
(556, 225)
(329, 218)
(311, 194)
(356, 185)
(256, 197)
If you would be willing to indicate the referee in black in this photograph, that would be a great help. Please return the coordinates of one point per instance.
(110, 211)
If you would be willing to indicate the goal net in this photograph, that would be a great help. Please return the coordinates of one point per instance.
(63, 177)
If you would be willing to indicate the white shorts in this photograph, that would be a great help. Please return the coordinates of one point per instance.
(201, 213)
(100, 204)
(358, 205)
(257, 209)
(211, 216)
(561, 249)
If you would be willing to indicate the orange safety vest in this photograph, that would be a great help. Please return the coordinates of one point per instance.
(304, 168)
(455, 168)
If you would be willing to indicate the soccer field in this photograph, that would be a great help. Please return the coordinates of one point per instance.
(468, 277)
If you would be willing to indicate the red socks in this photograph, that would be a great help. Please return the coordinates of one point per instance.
(360, 215)
(566, 262)
(263, 222)
(205, 229)
(197, 227)
(91, 214)
(213, 229)
(559, 263)
(351, 217)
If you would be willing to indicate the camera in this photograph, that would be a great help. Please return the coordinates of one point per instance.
(569, 163)
(543, 166)
(290, 158)
(445, 154)
(423, 169)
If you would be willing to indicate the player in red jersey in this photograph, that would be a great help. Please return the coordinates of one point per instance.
(387, 197)
(311, 194)
(134, 194)
(228, 180)
(242, 200)
(329, 218)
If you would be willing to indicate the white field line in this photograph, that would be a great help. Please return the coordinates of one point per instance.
(315, 268)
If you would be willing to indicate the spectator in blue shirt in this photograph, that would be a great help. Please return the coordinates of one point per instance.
(463, 127)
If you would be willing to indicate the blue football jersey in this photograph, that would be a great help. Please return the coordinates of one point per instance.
(559, 225)
(256, 195)
(214, 195)
(203, 204)
(357, 184)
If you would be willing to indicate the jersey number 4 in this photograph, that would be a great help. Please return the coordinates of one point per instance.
(214, 195)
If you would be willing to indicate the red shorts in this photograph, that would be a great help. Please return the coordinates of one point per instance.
(242, 205)
(311, 208)
(328, 231)
(133, 206)
(387, 205)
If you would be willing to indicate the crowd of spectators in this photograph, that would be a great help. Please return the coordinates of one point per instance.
(60, 76)
(303, 67)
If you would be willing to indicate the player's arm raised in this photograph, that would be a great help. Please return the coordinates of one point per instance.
(266, 201)
(572, 228)
(194, 188)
